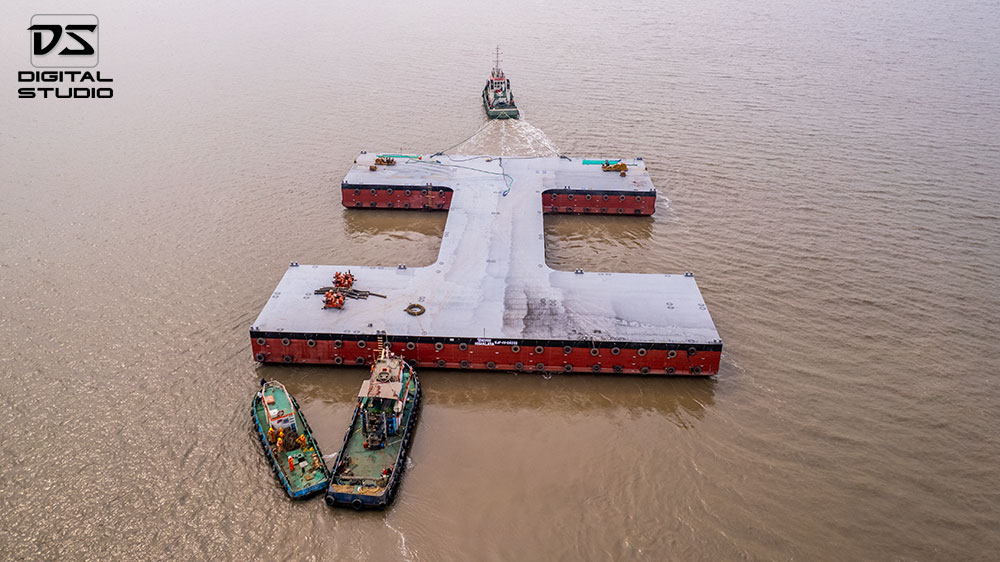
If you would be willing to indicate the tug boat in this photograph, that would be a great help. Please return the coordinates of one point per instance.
(371, 462)
(287, 441)
(497, 97)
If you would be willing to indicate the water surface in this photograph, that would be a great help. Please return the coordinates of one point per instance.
(830, 172)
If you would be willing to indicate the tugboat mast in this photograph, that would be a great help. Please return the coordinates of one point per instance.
(496, 66)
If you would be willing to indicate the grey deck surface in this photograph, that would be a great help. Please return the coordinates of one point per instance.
(490, 279)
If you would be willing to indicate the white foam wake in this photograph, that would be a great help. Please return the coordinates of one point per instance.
(402, 540)
(508, 137)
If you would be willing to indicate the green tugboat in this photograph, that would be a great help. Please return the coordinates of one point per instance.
(287, 441)
(371, 463)
(497, 97)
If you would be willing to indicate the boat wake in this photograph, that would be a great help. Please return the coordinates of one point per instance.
(402, 540)
(507, 137)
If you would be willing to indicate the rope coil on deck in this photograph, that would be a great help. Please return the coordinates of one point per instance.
(415, 309)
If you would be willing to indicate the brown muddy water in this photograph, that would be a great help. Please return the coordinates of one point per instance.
(830, 172)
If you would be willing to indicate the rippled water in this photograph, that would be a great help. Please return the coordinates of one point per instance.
(831, 172)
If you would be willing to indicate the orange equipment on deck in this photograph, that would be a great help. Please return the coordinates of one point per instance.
(343, 280)
(333, 299)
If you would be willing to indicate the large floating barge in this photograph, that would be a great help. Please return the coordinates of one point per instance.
(490, 300)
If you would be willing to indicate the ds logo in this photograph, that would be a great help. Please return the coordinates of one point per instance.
(64, 40)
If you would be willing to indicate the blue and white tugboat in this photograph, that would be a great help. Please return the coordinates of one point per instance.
(288, 442)
(497, 97)
(371, 463)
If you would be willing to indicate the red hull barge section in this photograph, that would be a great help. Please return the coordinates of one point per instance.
(490, 300)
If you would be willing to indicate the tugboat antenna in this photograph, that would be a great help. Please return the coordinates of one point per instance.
(497, 65)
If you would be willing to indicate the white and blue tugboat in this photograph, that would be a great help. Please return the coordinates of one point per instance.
(287, 440)
(497, 97)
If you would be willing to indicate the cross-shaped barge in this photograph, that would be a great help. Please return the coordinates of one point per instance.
(489, 300)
